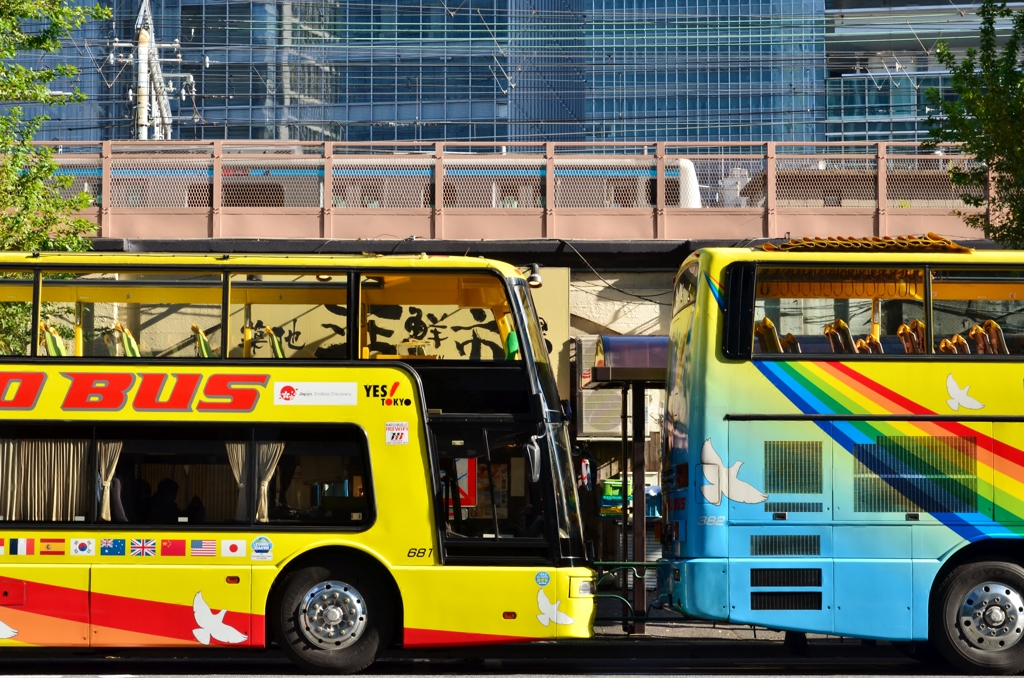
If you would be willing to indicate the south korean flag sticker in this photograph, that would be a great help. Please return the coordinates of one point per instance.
(396, 433)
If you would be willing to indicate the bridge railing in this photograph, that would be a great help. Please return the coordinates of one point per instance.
(468, 190)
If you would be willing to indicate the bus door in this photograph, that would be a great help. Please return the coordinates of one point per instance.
(778, 482)
(164, 576)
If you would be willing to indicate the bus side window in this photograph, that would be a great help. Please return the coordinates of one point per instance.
(289, 316)
(978, 312)
(129, 314)
(867, 310)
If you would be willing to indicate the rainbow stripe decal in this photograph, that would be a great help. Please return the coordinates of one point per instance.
(934, 464)
(716, 290)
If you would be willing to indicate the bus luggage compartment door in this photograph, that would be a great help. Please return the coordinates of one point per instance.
(44, 605)
(171, 606)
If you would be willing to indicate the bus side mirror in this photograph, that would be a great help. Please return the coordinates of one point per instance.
(531, 452)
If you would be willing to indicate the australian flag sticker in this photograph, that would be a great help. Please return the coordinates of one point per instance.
(111, 547)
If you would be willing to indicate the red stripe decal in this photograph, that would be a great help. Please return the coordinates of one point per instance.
(52, 601)
(432, 638)
(159, 619)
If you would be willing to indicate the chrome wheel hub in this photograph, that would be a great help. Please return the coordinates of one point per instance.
(332, 615)
(991, 617)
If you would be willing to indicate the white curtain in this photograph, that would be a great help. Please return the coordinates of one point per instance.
(10, 479)
(44, 480)
(237, 457)
(107, 453)
(268, 455)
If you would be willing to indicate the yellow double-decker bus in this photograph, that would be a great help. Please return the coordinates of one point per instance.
(333, 454)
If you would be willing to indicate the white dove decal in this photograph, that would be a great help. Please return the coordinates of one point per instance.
(6, 631)
(212, 625)
(725, 484)
(958, 396)
(549, 612)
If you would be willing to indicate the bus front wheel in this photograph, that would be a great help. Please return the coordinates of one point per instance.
(979, 618)
(333, 617)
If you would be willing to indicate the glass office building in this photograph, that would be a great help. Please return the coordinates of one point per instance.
(705, 70)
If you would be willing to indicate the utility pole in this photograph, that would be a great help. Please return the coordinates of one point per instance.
(152, 107)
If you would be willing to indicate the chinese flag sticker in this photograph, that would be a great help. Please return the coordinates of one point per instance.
(172, 547)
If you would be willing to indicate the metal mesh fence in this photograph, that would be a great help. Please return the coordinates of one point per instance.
(384, 182)
(923, 182)
(498, 183)
(253, 182)
(604, 182)
(160, 182)
(721, 181)
(826, 181)
(86, 175)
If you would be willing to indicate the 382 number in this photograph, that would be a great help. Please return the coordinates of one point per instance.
(420, 553)
(711, 521)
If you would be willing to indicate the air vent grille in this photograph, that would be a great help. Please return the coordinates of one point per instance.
(785, 545)
(785, 600)
(793, 507)
(792, 466)
(782, 577)
(909, 474)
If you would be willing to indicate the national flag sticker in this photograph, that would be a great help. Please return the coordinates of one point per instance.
(232, 548)
(79, 547)
(22, 547)
(143, 547)
(172, 547)
(396, 433)
(111, 547)
(51, 547)
(203, 547)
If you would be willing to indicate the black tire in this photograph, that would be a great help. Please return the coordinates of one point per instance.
(961, 637)
(372, 602)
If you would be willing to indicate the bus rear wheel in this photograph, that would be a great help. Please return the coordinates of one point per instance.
(333, 617)
(978, 623)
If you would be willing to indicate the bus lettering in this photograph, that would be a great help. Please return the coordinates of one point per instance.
(97, 391)
(147, 398)
(20, 390)
(232, 392)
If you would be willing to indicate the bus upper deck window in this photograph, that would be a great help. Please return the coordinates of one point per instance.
(436, 316)
(103, 314)
(289, 316)
(978, 312)
(821, 311)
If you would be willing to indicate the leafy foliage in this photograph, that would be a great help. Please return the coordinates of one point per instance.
(37, 206)
(987, 118)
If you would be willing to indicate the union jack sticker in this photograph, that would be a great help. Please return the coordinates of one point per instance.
(143, 547)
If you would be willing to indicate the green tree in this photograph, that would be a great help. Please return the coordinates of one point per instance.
(987, 118)
(38, 206)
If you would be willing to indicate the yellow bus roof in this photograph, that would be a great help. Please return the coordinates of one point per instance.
(725, 255)
(312, 261)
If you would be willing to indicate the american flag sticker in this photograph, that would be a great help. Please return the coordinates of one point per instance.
(143, 547)
(203, 547)
(23, 547)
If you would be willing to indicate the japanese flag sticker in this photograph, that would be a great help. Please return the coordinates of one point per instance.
(396, 433)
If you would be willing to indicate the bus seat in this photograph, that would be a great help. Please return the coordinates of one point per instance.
(947, 347)
(981, 342)
(117, 514)
(276, 347)
(203, 349)
(834, 340)
(52, 341)
(843, 330)
(917, 327)
(862, 346)
(960, 344)
(791, 344)
(909, 339)
(995, 337)
(874, 344)
(767, 336)
(128, 343)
